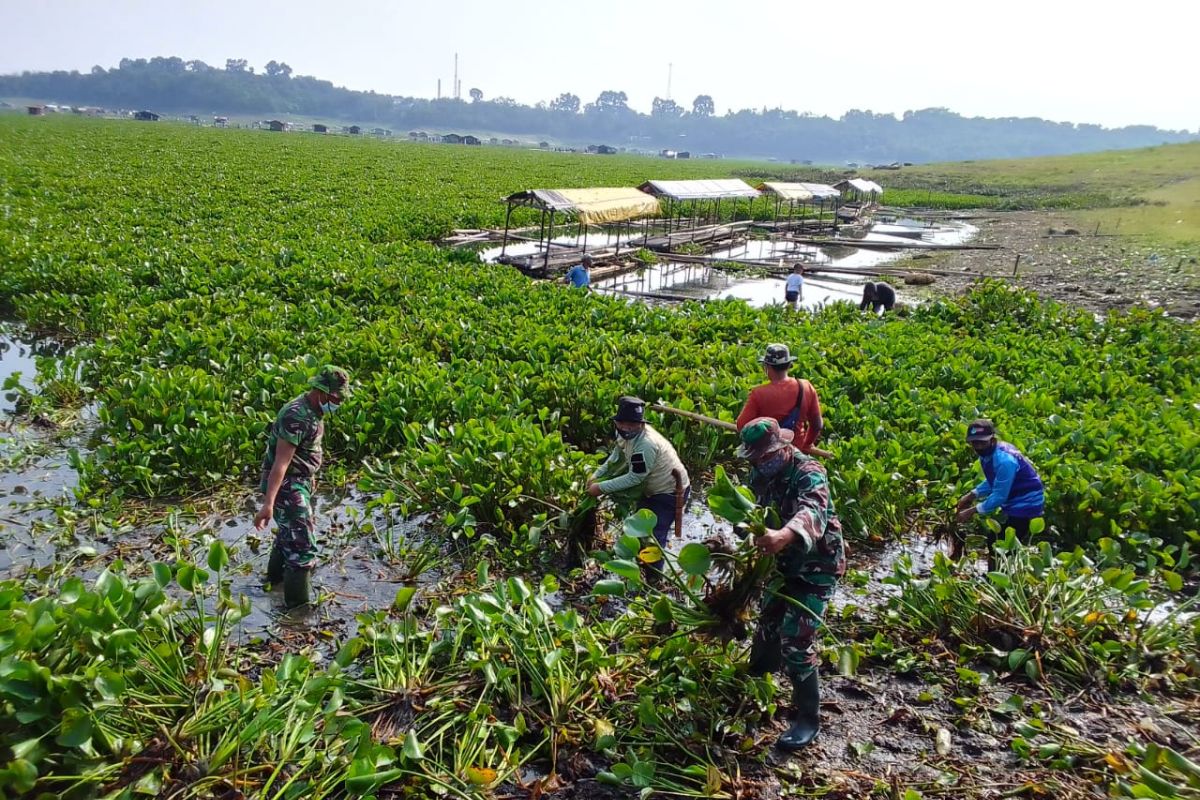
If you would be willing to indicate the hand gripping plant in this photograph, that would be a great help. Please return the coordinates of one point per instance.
(743, 570)
(715, 582)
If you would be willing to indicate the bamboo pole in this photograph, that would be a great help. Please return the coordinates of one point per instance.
(720, 423)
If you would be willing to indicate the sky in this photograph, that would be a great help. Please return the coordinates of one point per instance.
(1111, 64)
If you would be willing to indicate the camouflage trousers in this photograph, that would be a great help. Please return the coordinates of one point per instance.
(295, 527)
(789, 620)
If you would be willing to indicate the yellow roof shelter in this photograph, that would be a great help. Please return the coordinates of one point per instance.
(592, 206)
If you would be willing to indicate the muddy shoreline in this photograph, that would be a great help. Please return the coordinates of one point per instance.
(1094, 268)
(889, 727)
(882, 724)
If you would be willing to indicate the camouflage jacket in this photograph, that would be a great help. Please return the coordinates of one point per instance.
(800, 496)
(302, 425)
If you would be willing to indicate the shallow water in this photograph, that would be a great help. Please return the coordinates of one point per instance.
(876, 563)
(702, 282)
(16, 356)
(596, 239)
(27, 518)
(674, 280)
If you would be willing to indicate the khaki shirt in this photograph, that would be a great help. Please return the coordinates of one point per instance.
(646, 460)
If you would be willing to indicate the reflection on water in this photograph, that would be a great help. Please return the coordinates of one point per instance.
(596, 240)
(674, 280)
(19, 351)
(16, 356)
(677, 280)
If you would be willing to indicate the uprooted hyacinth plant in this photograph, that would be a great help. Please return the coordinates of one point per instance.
(1145, 770)
(132, 687)
(710, 588)
(1077, 618)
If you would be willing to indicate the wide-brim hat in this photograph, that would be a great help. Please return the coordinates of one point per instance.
(763, 436)
(777, 355)
(981, 430)
(630, 409)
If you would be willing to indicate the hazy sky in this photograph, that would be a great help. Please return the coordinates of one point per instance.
(1112, 64)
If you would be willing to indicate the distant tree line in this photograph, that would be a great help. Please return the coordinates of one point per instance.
(175, 85)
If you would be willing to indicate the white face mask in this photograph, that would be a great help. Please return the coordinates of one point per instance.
(328, 407)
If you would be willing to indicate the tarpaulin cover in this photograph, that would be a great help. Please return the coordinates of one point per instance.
(591, 206)
(863, 185)
(803, 192)
(718, 189)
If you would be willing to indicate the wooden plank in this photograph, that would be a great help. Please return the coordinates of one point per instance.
(861, 244)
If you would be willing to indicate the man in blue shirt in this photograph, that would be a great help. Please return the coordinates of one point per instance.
(580, 275)
(1010, 484)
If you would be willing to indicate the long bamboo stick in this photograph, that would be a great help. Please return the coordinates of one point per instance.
(720, 423)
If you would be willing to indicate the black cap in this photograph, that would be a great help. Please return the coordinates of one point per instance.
(981, 430)
(630, 409)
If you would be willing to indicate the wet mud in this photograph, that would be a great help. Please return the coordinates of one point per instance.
(885, 728)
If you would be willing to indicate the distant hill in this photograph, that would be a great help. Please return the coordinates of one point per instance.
(934, 134)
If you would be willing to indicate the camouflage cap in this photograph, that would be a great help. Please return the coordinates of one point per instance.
(331, 379)
(763, 436)
(777, 355)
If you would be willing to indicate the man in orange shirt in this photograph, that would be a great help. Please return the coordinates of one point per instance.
(793, 402)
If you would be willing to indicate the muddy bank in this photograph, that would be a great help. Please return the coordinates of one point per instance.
(1074, 265)
(892, 725)
(922, 721)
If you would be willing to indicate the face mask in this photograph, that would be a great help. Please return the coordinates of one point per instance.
(772, 465)
(627, 435)
(328, 407)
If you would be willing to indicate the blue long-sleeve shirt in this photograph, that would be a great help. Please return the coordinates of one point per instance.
(1014, 487)
(579, 276)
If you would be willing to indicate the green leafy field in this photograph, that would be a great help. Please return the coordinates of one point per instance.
(209, 270)
(206, 273)
(1152, 191)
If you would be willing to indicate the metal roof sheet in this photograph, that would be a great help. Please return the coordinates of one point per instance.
(715, 189)
(862, 185)
(804, 192)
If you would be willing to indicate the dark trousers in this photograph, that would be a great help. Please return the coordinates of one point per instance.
(1020, 526)
(788, 624)
(663, 506)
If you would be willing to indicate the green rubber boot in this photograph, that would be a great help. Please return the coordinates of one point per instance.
(275, 567)
(297, 587)
(806, 723)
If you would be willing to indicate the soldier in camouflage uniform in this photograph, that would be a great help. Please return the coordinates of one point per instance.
(289, 468)
(811, 559)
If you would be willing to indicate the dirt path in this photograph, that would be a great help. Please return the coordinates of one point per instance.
(1076, 266)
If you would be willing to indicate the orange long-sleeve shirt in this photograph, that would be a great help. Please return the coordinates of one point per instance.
(777, 400)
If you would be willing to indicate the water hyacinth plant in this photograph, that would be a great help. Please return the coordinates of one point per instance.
(711, 586)
(1042, 613)
(197, 305)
